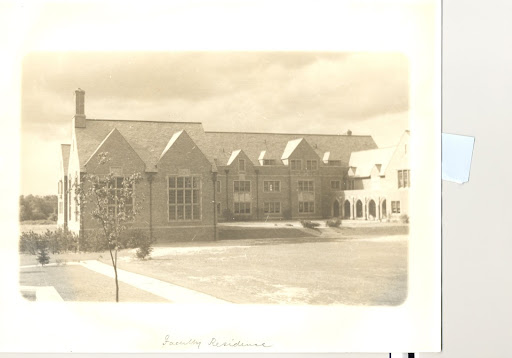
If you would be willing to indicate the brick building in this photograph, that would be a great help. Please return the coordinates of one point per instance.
(192, 177)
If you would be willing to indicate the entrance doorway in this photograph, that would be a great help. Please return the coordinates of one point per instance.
(347, 209)
(336, 209)
(359, 209)
(372, 212)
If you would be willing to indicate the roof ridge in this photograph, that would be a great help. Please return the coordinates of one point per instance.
(369, 150)
(138, 120)
(298, 134)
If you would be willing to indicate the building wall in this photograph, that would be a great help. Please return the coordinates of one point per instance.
(385, 188)
(73, 177)
(287, 196)
(184, 159)
(62, 196)
(152, 192)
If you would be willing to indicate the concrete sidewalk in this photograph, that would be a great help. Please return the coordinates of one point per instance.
(173, 293)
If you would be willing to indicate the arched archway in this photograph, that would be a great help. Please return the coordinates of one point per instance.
(372, 210)
(347, 209)
(383, 210)
(359, 209)
(336, 209)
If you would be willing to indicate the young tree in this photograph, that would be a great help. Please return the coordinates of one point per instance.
(110, 200)
(42, 251)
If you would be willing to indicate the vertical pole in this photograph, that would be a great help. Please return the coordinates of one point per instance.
(290, 200)
(214, 177)
(227, 186)
(150, 180)
(257, 195)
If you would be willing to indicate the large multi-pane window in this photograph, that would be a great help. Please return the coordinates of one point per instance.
(295, 164)
(336, 184)
(242, 196)
(272, 207)
(271, 186)
(349, 184)
(404, 178)
(395, 207)
(311, 165)
(335, 163)
(119, 197)
(306, 185)
(269, 162)
(184, 198)
(306, 196)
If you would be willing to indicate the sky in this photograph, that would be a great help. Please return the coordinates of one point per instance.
(285, 92)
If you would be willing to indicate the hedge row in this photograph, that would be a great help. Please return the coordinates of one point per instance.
(58, 241)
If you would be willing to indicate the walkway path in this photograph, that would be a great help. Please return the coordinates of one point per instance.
(163, 289)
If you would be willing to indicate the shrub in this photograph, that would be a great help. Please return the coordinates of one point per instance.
(134, 238)
(144, 250)
(309, 224)
(404, 218)
(57, 241)
(333, 223)
(42, 252)
(139, 239)
(93, 241)
(28, 242)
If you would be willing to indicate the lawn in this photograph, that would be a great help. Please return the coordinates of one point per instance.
(77, 283)
(285, 271)
(364, 265)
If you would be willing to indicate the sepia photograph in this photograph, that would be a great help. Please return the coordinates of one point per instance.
(229, 177)
(183, 189)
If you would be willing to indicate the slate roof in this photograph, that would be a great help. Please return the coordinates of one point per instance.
(147, 138)
(150, 139)
(364, 161)
(65, 148)
(222, 144)
(290, 147)
(173, 139)
(233, 156)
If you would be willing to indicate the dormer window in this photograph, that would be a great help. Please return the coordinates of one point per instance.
(269, 162)
(296, 164)
(241, 165)
(311, 165)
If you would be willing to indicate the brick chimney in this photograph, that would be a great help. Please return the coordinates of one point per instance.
(79, 117)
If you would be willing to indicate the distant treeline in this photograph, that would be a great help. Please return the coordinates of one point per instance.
(35, 207)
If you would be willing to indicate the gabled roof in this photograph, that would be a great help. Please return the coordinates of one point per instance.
(290, 148)
(100, 145)
(147, 138)
(365, 161)
(233, 156)
(65, 149)
(222, 144)
(171, 142)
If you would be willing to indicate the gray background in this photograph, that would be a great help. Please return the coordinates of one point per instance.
(477, 240)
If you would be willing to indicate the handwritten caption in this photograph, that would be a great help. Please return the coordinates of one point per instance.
(212, 342)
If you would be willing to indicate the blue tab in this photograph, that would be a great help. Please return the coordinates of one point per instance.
(456, 157)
